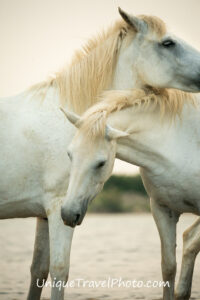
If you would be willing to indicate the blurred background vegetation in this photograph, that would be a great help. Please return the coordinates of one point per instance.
(121, 194)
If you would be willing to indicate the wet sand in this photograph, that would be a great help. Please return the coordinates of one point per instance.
(114, 246)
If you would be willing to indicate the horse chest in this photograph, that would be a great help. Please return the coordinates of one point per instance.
(176, 188)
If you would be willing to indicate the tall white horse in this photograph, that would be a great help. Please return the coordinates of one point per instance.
(161, 135)
(34, 136)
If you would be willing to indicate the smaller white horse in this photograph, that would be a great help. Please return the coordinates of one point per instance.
(161, 135)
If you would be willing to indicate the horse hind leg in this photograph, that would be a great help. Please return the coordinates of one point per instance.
(191, 247)
(40, 262)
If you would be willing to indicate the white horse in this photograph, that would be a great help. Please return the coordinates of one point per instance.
(161, 135)
(34, 136)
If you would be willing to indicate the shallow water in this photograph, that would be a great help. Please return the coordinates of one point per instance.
(105, 246)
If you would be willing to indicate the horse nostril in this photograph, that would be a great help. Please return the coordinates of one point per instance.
(62, 213)
(77, 218)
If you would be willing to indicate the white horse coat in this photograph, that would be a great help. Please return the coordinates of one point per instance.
(34, 134)
(167, 152)
(34, 162)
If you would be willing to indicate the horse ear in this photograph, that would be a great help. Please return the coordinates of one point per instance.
(72, 117)
(113, 134)
(138, 24)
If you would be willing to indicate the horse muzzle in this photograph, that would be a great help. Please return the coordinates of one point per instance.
(71, 218)
(75, 216)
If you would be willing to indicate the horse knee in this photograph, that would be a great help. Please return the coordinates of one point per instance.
(169, 269)
(59, 272)
(39, 271)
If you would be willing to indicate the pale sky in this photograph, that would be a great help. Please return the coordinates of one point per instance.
(39, 36)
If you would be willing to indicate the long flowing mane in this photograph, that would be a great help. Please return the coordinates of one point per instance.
(92, 68)
(169, 102)
(90, 71)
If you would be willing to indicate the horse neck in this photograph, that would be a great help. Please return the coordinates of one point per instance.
(144, 146)
(154, 131)
(126, 75)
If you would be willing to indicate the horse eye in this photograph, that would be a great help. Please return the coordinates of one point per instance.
(168, 43)
(100, 164)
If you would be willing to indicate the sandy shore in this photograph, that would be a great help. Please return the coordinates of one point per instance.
(105, 246)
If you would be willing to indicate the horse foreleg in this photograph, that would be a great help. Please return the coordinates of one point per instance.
(191, 247)
(40, 263)
(60, 237)
(166, 221)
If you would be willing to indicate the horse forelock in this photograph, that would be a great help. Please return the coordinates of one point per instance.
(155, 25)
